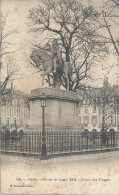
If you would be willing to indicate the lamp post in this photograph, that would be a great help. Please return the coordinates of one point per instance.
(43, 105)
(101, 102)
(116, 112)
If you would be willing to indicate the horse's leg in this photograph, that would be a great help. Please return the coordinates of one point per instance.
(55, 80)
(68, 84)
(66, 72)
(46, 72)
(48, 66)
(58, 81)
(48, 79)
(42, 80)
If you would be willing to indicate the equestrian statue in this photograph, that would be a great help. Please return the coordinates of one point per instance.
(52, 63)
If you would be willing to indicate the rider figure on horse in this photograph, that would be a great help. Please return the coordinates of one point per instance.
(56, 53)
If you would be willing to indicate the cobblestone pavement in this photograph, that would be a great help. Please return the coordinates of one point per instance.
(79, 174)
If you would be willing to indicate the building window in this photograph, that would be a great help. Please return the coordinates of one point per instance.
(112, 119)
(8, 111)
(79, 111)
(15, 111)
(86, 120)
(15, 103)
(111, 107)
(86, 110)
(94, 109)
(15, 122)
(22, 104)
(7, 121)
(94, 121)
(117, 108)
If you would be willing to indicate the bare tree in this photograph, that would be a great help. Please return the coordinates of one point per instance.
(106, 100)
(6, 61)
(77, 29)
(111, 20)
(115, 2)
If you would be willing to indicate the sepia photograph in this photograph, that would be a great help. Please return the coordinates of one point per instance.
(59, 97)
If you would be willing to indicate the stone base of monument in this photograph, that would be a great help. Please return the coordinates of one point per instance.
(61, 111)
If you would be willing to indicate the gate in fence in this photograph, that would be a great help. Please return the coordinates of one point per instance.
(57, 142)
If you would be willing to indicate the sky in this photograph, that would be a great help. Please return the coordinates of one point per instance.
(17, 12)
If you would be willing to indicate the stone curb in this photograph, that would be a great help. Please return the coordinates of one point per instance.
(37, 155)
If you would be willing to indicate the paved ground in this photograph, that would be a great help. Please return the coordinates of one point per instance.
(87, 174)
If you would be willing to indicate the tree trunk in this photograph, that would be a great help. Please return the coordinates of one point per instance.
(67, 55)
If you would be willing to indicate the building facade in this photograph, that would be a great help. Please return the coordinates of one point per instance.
(101, 110)
(15, 109)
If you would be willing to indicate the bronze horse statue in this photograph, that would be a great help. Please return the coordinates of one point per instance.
(41, 55)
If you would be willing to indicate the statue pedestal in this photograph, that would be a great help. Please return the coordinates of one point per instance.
(61, 111)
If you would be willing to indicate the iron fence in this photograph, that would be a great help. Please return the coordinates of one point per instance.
(57, 142)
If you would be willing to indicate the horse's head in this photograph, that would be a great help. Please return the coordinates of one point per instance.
(42, 59)
(35, 58)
